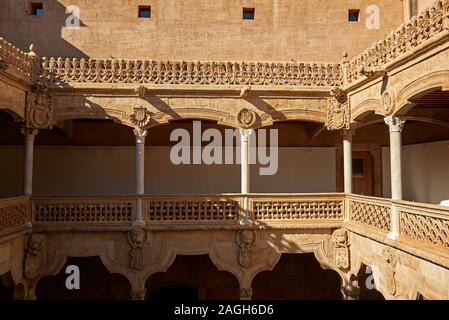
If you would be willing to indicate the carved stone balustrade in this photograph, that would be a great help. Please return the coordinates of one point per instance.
(13, 214)
(17, 63)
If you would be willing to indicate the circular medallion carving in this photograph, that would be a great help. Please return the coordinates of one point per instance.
(140, 117)
(246, 118)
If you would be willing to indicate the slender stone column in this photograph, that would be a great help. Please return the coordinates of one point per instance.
(347, 159)
(395, 125)
(29, 134)
(245, 172)
(140, 175)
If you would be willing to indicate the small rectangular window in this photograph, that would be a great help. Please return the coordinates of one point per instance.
(248, 13)
(145, 12)
(358, 166)
(353, 15)
(36, 9)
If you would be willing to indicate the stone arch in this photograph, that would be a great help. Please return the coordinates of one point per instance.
(435, 80)
(286, 272)
(365, 107)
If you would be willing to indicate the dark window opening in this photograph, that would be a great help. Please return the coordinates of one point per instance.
(358, 166)
(248, 13)
(144, 11)
(353, 15)
(36, 9)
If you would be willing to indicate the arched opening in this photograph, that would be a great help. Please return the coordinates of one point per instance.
(6, 287)
(366, 284)
(96, 283)
(192, 278)
(297, 277)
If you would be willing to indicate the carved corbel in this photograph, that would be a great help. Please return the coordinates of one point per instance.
(138, 294)
(372, 71)
(246, 240)
(137, 238)
(338, 113)
(245, 92)
(246, 293)
(33, 255)
(391, 259)
(141, 91)
(340, 241)
(39, 111)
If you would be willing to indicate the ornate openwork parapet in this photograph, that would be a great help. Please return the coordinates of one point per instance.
(16, 63)
(57, 71)
(418, 34)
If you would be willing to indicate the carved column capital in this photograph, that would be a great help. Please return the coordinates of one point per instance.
(394, 123)
(245, 134)
(29, 131)
(347, 134)
(246, 293)
(140, 135)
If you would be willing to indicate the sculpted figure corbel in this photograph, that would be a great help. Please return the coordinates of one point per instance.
(137, 238)
(391, 259)
(33, 255)
(246, 240)
(340, 241)
(338, 115)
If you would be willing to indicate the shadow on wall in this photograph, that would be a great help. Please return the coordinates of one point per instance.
(45, 32)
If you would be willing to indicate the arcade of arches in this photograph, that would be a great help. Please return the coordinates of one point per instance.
(356, 208)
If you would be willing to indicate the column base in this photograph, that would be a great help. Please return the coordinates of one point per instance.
(138, 223)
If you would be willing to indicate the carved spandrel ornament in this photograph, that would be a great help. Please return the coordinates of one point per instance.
(246, 240)
(246, 118)
(388, 104)
(338, 114)
(33, 255)
(39, 112)
(140, 118)
(391, 259)
(340, 241)
(137, 239)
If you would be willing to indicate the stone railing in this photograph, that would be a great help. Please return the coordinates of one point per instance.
(296, 208)
(407, 38)
(428, 224)
(82, 210)
(17, 63)
(374, 213)
(74, 70)
(192, 209)
(13, 214)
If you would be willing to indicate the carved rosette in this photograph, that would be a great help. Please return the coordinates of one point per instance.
(246, 118)
(391, 259)
(340, 241)
(136, 239)
(140, 118)
(39, 112)
(387, 103)
(33, 255)
(246, 240)
(338, 113)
